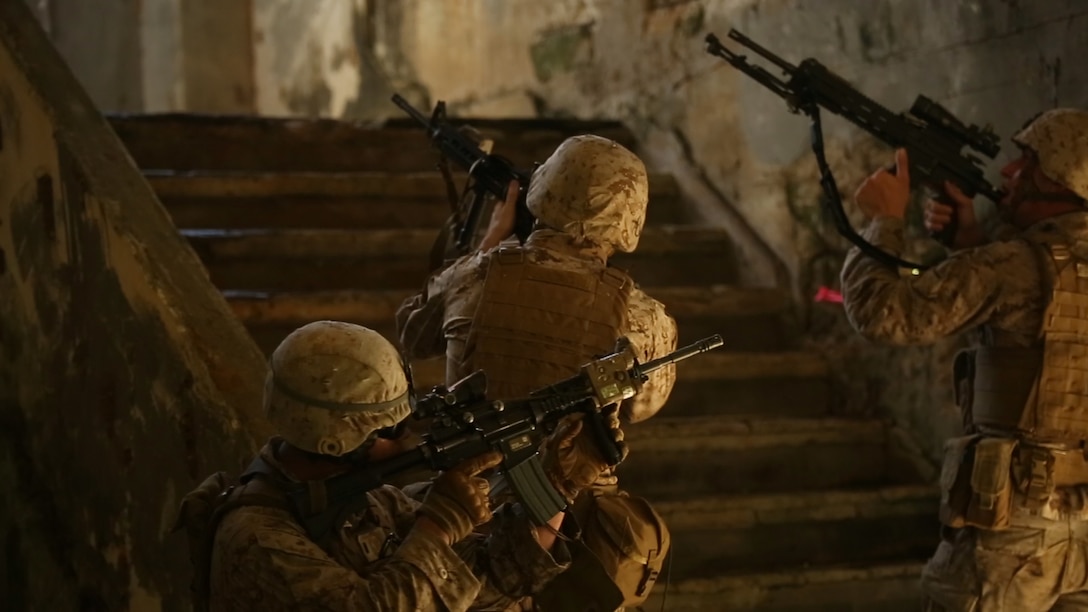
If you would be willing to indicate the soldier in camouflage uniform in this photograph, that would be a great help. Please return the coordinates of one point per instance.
(1014, 486)
(332, 391)
(531, 315)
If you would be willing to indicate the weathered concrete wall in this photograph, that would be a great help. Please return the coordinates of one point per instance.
(156, 55)
(124, 378)
(101, 42)
(741, 155)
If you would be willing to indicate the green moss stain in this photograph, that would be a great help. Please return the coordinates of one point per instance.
(561, 50)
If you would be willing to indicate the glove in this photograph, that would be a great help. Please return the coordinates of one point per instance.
(458, 500)
(570, 455)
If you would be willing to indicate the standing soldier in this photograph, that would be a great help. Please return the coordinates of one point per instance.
(334, 392)
(530, 315)
(1014, 486)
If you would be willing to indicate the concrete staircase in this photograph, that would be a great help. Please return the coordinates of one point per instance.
(774, 502)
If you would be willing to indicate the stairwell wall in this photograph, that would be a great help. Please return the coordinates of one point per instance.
(124, 377)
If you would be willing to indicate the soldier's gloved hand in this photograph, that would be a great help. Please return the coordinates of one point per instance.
(571, 457)
(458, 499)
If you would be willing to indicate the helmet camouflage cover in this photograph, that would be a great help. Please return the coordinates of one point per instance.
(330, 385)
(1059, 138)
(594, 189)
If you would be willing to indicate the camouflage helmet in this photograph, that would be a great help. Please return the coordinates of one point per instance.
(330, 385)
(593, 189)
(1059, 138)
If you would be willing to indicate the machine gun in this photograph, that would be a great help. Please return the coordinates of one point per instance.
(465, 423)
(489, 174)
(932, 136)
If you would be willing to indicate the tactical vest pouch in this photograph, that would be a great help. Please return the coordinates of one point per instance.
(975, 486)
(630, 538)
(1004, 379)
(196, 518)
(991, 499)
(955, 481)
(1034, 468)
(963, 379)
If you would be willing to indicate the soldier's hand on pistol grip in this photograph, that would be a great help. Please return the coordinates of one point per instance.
(938, 214)
(502, 219)
(570, 455)
(458, 500)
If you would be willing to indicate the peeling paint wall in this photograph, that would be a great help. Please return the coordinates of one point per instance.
(124, 378)
(742, 157)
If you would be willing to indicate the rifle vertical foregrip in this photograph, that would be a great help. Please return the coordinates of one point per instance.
(598, 428)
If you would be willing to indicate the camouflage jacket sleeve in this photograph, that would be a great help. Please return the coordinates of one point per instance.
(510, 563)
(266, 562)
(652, 332)
(419, 324)
(423, 320)
(970, 288)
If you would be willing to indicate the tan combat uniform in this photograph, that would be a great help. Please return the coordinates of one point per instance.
(1013, 489)
(264, 560)
(443, 320)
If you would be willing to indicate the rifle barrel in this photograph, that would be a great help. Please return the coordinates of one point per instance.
(763, 52)
(702, 346)
(408, 108)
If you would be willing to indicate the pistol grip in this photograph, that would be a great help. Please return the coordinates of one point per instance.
(603, 437)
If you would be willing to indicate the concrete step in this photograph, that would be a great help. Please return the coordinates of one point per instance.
(727, 383)
(749, 319)
(716, 534)
(179, 141)
(307, 260)
(335, 200)
(887, 587)
(674, 458)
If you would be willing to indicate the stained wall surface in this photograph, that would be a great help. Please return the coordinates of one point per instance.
(124, 378)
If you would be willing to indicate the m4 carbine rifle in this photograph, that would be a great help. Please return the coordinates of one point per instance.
(489, 174)
(466, 423)
(933, 137)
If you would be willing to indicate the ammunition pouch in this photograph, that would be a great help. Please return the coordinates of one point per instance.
(976, 488)
(994, 483)
(626, 541)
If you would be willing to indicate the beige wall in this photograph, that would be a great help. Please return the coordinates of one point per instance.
(156, 55)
